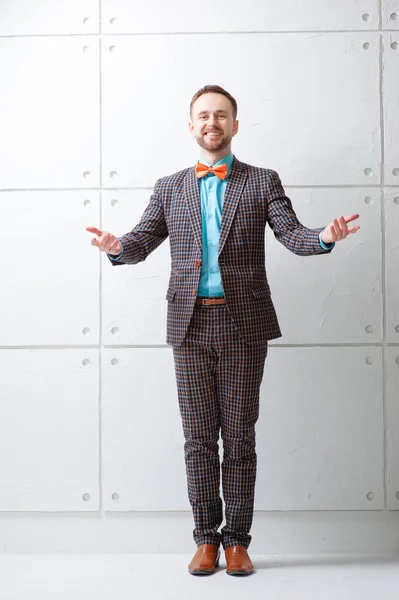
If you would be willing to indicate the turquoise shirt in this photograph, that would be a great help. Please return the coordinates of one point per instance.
(212, 190)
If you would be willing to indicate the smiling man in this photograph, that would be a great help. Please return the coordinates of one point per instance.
(220, 313)
(213, 129)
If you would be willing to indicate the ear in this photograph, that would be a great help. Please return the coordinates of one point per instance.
(235, 127)
(191, 127)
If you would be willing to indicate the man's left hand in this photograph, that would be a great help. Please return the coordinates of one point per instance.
(338, 229)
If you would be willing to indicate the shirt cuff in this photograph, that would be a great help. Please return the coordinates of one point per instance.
(113, 257)
(325, 246)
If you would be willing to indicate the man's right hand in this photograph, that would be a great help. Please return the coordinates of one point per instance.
(106, 242)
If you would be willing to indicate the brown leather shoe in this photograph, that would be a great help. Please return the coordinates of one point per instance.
(205, 560)
(238, 561)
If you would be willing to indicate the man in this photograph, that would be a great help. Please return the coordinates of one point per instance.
(220, 313)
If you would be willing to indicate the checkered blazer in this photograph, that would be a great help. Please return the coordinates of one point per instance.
(253, 198)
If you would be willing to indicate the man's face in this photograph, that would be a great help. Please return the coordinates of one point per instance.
(212, 122)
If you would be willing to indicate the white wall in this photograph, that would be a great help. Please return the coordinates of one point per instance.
(93, 109)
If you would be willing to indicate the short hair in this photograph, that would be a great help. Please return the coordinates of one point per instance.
(216, 89)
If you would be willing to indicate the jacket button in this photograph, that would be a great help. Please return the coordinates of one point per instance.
(197, 263)
(194, 292)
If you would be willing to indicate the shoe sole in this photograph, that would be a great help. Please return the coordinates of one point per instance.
(239, 572)
(201, 573)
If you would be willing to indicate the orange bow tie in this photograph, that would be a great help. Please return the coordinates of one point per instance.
(220, 170)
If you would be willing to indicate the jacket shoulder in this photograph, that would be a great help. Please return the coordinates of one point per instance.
(168, 181)
(259, 172)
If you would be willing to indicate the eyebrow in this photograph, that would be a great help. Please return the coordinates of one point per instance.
(205, 112)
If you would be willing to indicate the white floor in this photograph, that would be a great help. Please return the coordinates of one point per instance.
(165, 577)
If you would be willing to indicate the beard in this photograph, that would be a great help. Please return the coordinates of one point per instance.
(214, 145)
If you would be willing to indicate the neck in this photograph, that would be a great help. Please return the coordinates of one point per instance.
(214, 157)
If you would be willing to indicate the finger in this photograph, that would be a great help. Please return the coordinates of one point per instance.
(108, 241)
(114, 246)
(344, 227)
(94, 230)
(353, 229)
(104, 241)
(350, 218)
(111, 246)
(338, 230)
(332, 232)
(94, 242)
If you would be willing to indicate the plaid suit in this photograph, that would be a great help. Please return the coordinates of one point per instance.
(220, 351)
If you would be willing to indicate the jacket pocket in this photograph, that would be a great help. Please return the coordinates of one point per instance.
(170, 294)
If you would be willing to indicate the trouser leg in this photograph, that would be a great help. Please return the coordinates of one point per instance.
(239, 375)
(195, 366)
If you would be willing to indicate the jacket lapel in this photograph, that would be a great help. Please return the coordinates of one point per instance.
(234, 188)
(191, 189)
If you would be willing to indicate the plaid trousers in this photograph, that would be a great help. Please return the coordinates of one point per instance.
(218, 378)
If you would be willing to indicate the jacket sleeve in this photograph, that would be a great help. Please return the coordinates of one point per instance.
(285, 224)
(146, 236)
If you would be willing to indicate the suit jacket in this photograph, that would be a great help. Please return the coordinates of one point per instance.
(253, 197)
